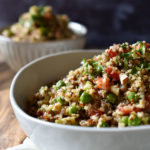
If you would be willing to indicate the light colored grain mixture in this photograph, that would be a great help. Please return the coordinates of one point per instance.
(39, 24)
(109, 90)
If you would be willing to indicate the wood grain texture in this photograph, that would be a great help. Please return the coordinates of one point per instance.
(6, 74)
(11, 133)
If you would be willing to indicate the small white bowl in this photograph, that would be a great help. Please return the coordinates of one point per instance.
(17, 54)
(52, 136)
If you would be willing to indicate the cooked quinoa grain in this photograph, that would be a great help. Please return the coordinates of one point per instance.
(109, 90)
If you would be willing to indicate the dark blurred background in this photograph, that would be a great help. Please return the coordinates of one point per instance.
(108, 21)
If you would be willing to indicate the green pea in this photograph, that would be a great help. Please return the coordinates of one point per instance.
(99, 69)
(134, 122)
(133, 96)
(124, 120)
(85, 97)
(111, 98)
(59, 84)
(104, 124)
(72, 110)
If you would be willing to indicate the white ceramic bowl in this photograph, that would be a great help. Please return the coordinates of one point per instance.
(51, 136)
(17, 54)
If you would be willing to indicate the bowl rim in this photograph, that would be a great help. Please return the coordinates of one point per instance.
(50, 41)
(18, 109)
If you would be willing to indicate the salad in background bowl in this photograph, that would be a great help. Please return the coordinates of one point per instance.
(37, 33)
(40, 24)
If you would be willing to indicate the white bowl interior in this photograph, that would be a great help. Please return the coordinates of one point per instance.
(34, 75)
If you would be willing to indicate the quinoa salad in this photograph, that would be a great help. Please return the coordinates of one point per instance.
(39, 24)
(108, 90)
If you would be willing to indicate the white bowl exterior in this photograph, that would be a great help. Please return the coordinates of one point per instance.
(49, 136)
(17, 54)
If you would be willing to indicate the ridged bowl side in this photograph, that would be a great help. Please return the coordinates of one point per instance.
(17, 54)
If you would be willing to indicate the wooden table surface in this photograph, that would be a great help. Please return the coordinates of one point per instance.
(11, 133)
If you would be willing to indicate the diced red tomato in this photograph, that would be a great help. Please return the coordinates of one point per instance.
(102, 83)
(137, 109)
(96, 112)
(126, 110)
(126, 50)
(112, 53)
(114, 74)
(109, 70)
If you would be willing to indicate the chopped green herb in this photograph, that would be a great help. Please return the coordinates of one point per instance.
(57, 99)
(83, 61)
(59, 84)
(126, 64)
(124, 46)
(61, 100)
(133, 70)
